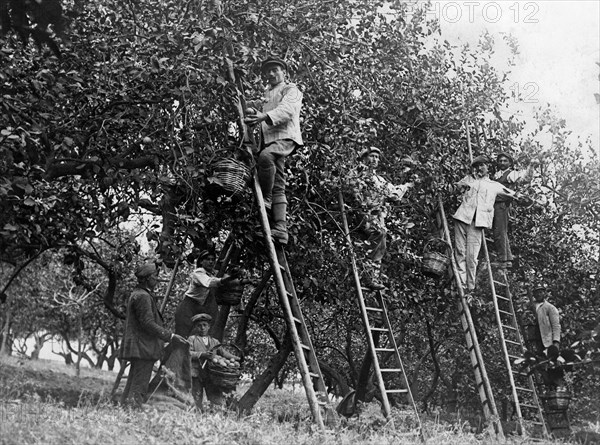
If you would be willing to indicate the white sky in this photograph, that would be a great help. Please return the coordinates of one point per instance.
(559, 43)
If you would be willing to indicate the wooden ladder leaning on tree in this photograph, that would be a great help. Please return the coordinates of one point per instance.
(526, 401)
(308, 365)
(376, 322)
(482, 381)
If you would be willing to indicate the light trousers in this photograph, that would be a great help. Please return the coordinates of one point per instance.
(467, 239)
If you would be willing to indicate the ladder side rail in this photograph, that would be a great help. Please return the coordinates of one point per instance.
(490, 409)
(392, 341)
(505, 354)
(302, 328)
(281, 290)
(363, 309)
(530, 379)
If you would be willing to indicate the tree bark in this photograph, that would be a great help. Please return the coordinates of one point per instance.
(262, 382)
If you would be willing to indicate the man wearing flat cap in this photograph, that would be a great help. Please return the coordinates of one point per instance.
(509, 177)
(475, 213)
(373, 193)
(280, 125)
(202, 349)
(144, 336)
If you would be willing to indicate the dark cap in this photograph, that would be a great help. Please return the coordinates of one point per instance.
(507, 156)
(273, 61)
(481, 159)
(145, 270)
(201, 317)
(539, 288)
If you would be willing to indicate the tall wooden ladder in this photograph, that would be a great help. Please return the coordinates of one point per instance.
(312, 378)
(527, 406)
(377, 322)
(482, 381)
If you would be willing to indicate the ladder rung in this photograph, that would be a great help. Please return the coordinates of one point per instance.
(379, 329)
(523, 389)
(305, 347)
(505, 312)
(297, 320)
(512, 342)
(520, 373)
(313, 375)
(391, 370)
(509, 327)
(529, 406)
(384, 350)
(499, 283)
(502, 298)
(514, 356)
(489, 240)
(396, 391)
(374, 309)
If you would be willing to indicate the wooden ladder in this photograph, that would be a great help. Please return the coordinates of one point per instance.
(312, 378)
(376, 322)
(482, 381)
(524, 394)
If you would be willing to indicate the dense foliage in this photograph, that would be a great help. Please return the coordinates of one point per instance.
(126, 125)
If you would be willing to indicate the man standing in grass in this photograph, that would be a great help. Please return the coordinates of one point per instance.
(144, 336)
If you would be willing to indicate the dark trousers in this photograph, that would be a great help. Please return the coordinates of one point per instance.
(214, 394)
(270, 168)
(500, 229)
(136, 388)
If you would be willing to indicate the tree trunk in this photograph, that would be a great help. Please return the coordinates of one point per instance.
(40, 341)
(79, 341)
(5, 334)
(262, 382)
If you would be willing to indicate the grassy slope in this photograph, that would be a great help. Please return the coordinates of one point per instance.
(43, 402)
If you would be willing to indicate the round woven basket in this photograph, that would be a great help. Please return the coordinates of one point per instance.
(434, 263)
(230, 294)
(557, 400)
(225, 378)
(222, 376)
(232, 175)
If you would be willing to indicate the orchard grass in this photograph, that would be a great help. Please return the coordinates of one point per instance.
(280, 417)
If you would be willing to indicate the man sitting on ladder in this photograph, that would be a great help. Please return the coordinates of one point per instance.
(373, 192)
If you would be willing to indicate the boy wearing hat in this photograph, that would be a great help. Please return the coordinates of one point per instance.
(280, 125)
(475, 213)
(508, 177)
(202, 349)
(373, 192)
(144, 336)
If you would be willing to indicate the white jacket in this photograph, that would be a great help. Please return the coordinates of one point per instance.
(478, 200)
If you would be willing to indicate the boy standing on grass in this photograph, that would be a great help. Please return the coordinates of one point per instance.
(204, 348)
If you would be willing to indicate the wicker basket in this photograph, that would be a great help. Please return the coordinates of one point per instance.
(434, 263)
(224, 377)
(230, 294)
(557, 400)
(231, 174)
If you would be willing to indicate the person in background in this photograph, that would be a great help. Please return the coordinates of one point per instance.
(507, 176)
(475, 213)
(548, 319)
(203, 348)
(280, 125)
(144, 337)
(373, 193)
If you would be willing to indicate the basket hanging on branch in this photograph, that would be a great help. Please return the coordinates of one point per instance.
(230, 294)
(435, 263)
(557, 400)
(232, 175)
(225, 373)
